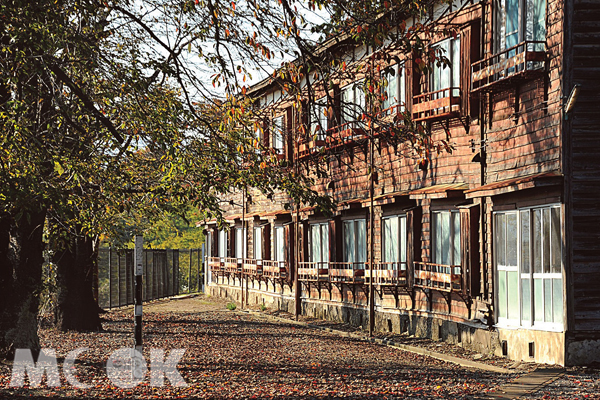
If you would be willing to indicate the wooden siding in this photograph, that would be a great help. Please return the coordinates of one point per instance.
(584, 164)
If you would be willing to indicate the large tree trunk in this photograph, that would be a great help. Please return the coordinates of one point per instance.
(21, 260)
(76, 307)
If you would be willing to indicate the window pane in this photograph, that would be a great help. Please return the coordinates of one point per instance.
(258, 243)
(390, 242)
(437, 238)
(349, 248)
(548, 300)
(445, 228)
(537, 241)
(502, 294)
(402, 240)
(456, 238)
(538, 293)
(280, 245)
(556, 246)
(512, 22)
(526, 300)
(546, 239)
(325, 242)
(239, 242)
(455, 60)
(402, 84)
(347, 104)
(525, 250)
(513, 294)
(315, 243)
(557, 301)
(501, 239)
(361, 239)
(511, 239)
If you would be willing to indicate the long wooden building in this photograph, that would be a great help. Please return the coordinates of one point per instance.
(492, 242)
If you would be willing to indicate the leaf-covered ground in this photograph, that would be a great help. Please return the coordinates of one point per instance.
(234, 355)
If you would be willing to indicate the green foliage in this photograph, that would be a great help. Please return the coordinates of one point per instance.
(263, 307)
(231, 306)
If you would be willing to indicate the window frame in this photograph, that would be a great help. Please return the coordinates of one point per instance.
(257, 243)
(527, 316)
(400, 89)
(350, 110)
(318, 118)
(323, 227)
(355, 223)
(454, 237)
(453, 54)
(279, 247)
(240, 240)
(277, 134)
(524, 27)
(401, 258)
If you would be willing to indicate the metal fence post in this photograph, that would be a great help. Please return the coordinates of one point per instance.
(109, 278)
(139, 270)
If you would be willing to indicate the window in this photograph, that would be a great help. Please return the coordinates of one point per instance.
(445, 76)
(517, 21)
(355, 242)
(318, 118)
(222, 243)
(278, 134)
(279, 243)
(353, 103)
(528, 260)
(258, 242)
(394, 240)
(395, 91)
(241, 245)
(446, 238)
(319, 242)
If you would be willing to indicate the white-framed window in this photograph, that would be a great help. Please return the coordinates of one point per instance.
(353, 103)
(394, 240)
(222, 243)
(277, 134)
(395, 90)
(319, 242)
(355, 242)
(318, 118)
(518, 20)
(528, 260)
(280, 243)
(446, 238)
(258, 242)
(241, 244)
(445, 76)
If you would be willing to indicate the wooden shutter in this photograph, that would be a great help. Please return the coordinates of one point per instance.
(266, 133)
(469, 236)
(304, 121)
(228, 249)
(288, 250)
(332, 240)
(289, 133)
(214, 246)
(336, 117)
(469, 53)
(266, 247)
(303, 232)
(413, 238)
(232, 239)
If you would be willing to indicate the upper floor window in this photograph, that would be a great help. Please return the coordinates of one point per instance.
(394, 94)
(394, 240)
(517, 21)
(447, 75)
(353, 102)
(446, 238)
(318, 118)
(528, 259)
(355, 242)
(319, 242)
(277, 134)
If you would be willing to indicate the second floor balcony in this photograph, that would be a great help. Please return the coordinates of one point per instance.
(444, 103)
(523, 61)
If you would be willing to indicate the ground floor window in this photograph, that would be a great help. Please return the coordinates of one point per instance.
(319, 242)
(222, 243)
(258, 242)
(394, 241)
(528, 258)
(279, 243)
(355, 242)
(446, 237)
(241, 244)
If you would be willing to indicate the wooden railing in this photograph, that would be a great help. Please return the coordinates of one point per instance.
(313, 271)
(275, 269)
(518, 61)
(344, 133)
(438, 276)
(253, 267)
(232, 265)
(215, 264)
(440, 104)
(389, 273)
(348, 272)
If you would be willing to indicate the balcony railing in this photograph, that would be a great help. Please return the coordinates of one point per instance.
(388, 274)
(215, 264)
(253, 267)
(522, 61)
(347, 272)
(232, 265)
(343, 134)
(274, 269)
(438, 276)
(313, 271)
(444, 103)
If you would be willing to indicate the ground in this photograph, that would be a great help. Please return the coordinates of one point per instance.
(233, 354)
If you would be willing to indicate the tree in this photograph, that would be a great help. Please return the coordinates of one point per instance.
(113, 106)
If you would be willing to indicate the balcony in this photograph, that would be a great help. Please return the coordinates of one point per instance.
(313, 271)
(232, 265)
(388, 274)
(274, 269)
(252, 267)
(440, 277)
(441, 104)
(215, 264)
(344, 134)
(524, 61)
(347, 272)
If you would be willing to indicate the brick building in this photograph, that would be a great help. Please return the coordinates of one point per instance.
(493, 243)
